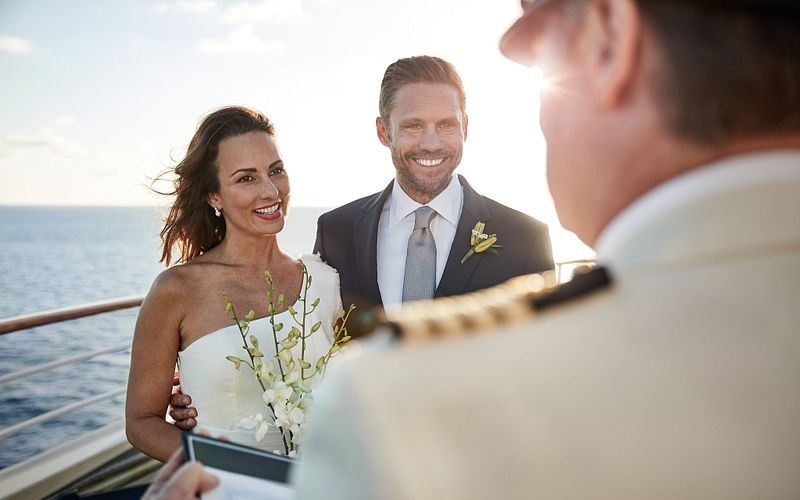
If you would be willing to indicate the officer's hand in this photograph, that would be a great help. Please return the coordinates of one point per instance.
(178, 480)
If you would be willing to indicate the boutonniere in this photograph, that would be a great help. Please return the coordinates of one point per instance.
(481, 242)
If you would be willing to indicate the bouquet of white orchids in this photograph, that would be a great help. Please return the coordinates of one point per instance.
(285, 378)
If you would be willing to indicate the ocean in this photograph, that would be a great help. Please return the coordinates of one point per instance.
(52, 257)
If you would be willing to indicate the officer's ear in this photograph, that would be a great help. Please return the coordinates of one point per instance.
(614, 40)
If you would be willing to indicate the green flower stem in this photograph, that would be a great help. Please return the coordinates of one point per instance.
(246, 347)
(340, 337)
(252, 364)
(271, 300)
(306, 286)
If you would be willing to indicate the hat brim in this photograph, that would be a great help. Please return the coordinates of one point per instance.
(517, 42)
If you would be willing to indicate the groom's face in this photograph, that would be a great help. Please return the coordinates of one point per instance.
(425, 133)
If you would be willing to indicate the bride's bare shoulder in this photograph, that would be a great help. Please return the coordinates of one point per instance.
(181, 279)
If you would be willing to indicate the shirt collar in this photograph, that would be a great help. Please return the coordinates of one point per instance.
(721, 176)
(447, 204)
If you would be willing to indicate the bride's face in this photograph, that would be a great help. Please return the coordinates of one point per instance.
(254, 186)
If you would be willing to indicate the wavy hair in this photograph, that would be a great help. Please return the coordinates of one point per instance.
(191, 225)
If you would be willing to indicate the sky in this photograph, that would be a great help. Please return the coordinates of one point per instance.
(98, 97)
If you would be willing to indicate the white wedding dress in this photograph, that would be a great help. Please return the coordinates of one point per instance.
(224, 396)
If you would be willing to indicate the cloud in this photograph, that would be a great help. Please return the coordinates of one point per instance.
(193, 6)
(94, 174)
(241, 40)
(47, 141)
(64, 120)
(15, 45)
(282, 11)
(245, 12)
(28, 141)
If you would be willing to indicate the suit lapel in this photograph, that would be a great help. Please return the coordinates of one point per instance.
(456, 275)
(365, 230)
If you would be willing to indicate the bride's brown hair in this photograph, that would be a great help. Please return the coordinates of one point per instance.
(191, 225)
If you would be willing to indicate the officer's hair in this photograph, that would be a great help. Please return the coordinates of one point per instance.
(728, 72)
(417, 69)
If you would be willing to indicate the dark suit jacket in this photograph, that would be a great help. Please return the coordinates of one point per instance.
(347, 239)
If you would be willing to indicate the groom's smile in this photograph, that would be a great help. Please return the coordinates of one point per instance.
(429, 163)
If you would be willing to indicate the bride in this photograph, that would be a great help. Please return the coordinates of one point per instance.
(231, 200)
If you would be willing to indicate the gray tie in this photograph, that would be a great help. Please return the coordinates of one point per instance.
(420, 277)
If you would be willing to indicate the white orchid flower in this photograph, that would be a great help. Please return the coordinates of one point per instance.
(297, 415)
(294, 375)
(257, 422)
(278, 393)
(282, 418)
(285, 356)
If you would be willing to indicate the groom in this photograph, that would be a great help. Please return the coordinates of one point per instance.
(423, 122)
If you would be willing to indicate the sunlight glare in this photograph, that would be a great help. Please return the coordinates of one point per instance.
(550, 84)
(537, 75)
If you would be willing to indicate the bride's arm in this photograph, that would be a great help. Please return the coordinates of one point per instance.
(156, 342)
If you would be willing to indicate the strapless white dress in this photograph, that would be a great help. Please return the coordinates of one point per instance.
(224, 396)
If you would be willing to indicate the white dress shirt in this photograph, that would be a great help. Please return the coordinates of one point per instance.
(397, 224)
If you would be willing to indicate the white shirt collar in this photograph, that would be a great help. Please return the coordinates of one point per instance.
(724, 175)
(447, 204)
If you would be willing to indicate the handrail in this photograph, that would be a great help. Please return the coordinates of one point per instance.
(60, 362)
(25, 321)
(50, 415)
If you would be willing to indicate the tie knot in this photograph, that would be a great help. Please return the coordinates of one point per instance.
(423, 217)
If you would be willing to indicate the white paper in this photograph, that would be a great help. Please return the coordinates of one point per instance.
(234, 486)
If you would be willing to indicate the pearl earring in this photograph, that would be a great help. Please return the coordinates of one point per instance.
(217, 211)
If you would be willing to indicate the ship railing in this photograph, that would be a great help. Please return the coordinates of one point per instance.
(100, 460)
(26, 321)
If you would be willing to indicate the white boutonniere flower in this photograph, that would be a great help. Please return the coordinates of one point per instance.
(481, 242)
